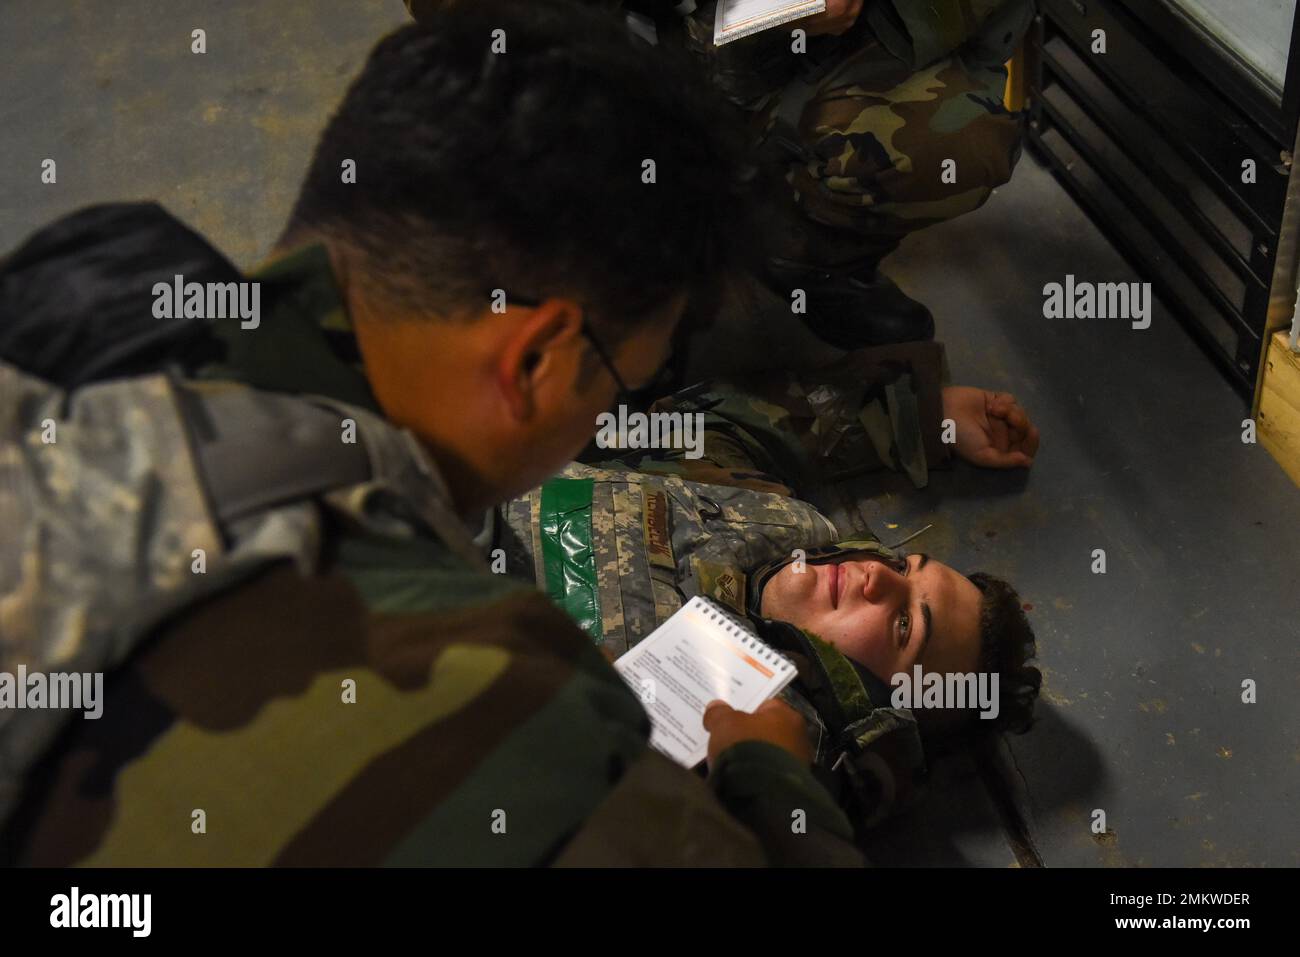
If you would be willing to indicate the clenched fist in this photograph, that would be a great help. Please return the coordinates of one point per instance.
(992, 429)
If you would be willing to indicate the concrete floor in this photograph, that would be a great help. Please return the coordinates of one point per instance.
(1142, 453)
(113, 94)
(1142, 456)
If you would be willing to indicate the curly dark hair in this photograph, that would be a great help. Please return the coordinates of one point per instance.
(1006, 646)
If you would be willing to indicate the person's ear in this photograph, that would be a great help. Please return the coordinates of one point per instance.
(532, 350)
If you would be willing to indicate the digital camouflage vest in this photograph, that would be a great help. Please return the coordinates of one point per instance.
(622, 550)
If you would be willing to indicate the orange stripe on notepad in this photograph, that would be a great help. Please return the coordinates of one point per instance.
(763, 669)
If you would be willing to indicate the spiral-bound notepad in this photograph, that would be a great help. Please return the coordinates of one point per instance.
(740, 18)
(699, 654)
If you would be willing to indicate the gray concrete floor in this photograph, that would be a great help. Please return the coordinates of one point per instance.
(1141, 455)
(113, 94)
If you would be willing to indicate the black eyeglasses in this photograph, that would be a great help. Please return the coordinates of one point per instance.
(623, 391)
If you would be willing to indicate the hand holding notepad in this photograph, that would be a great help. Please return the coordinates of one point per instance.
(698, 655)
(740, 18)
(773, 722)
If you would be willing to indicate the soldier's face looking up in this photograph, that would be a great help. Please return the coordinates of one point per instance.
(885, 619)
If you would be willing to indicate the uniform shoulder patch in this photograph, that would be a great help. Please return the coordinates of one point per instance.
(722, 583)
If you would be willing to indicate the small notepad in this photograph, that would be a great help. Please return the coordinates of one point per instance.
(699, 654)
(740, 18)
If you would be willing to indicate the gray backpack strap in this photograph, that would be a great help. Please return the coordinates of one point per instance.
(257, 450)
(403, 472)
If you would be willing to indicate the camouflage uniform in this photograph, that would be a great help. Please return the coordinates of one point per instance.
(862, 123)
(860, 127)
(485, 728)
(622, 545)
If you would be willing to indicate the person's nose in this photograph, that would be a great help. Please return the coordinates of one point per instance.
(882, 585)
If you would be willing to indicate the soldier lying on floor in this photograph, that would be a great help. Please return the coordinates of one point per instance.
(621, 545)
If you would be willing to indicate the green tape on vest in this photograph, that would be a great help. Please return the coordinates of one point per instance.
(567, 556)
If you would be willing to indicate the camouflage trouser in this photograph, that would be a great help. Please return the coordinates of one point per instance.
(896, 125)
(876, 158)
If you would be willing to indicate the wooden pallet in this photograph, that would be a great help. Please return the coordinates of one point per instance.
(1279, 405)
